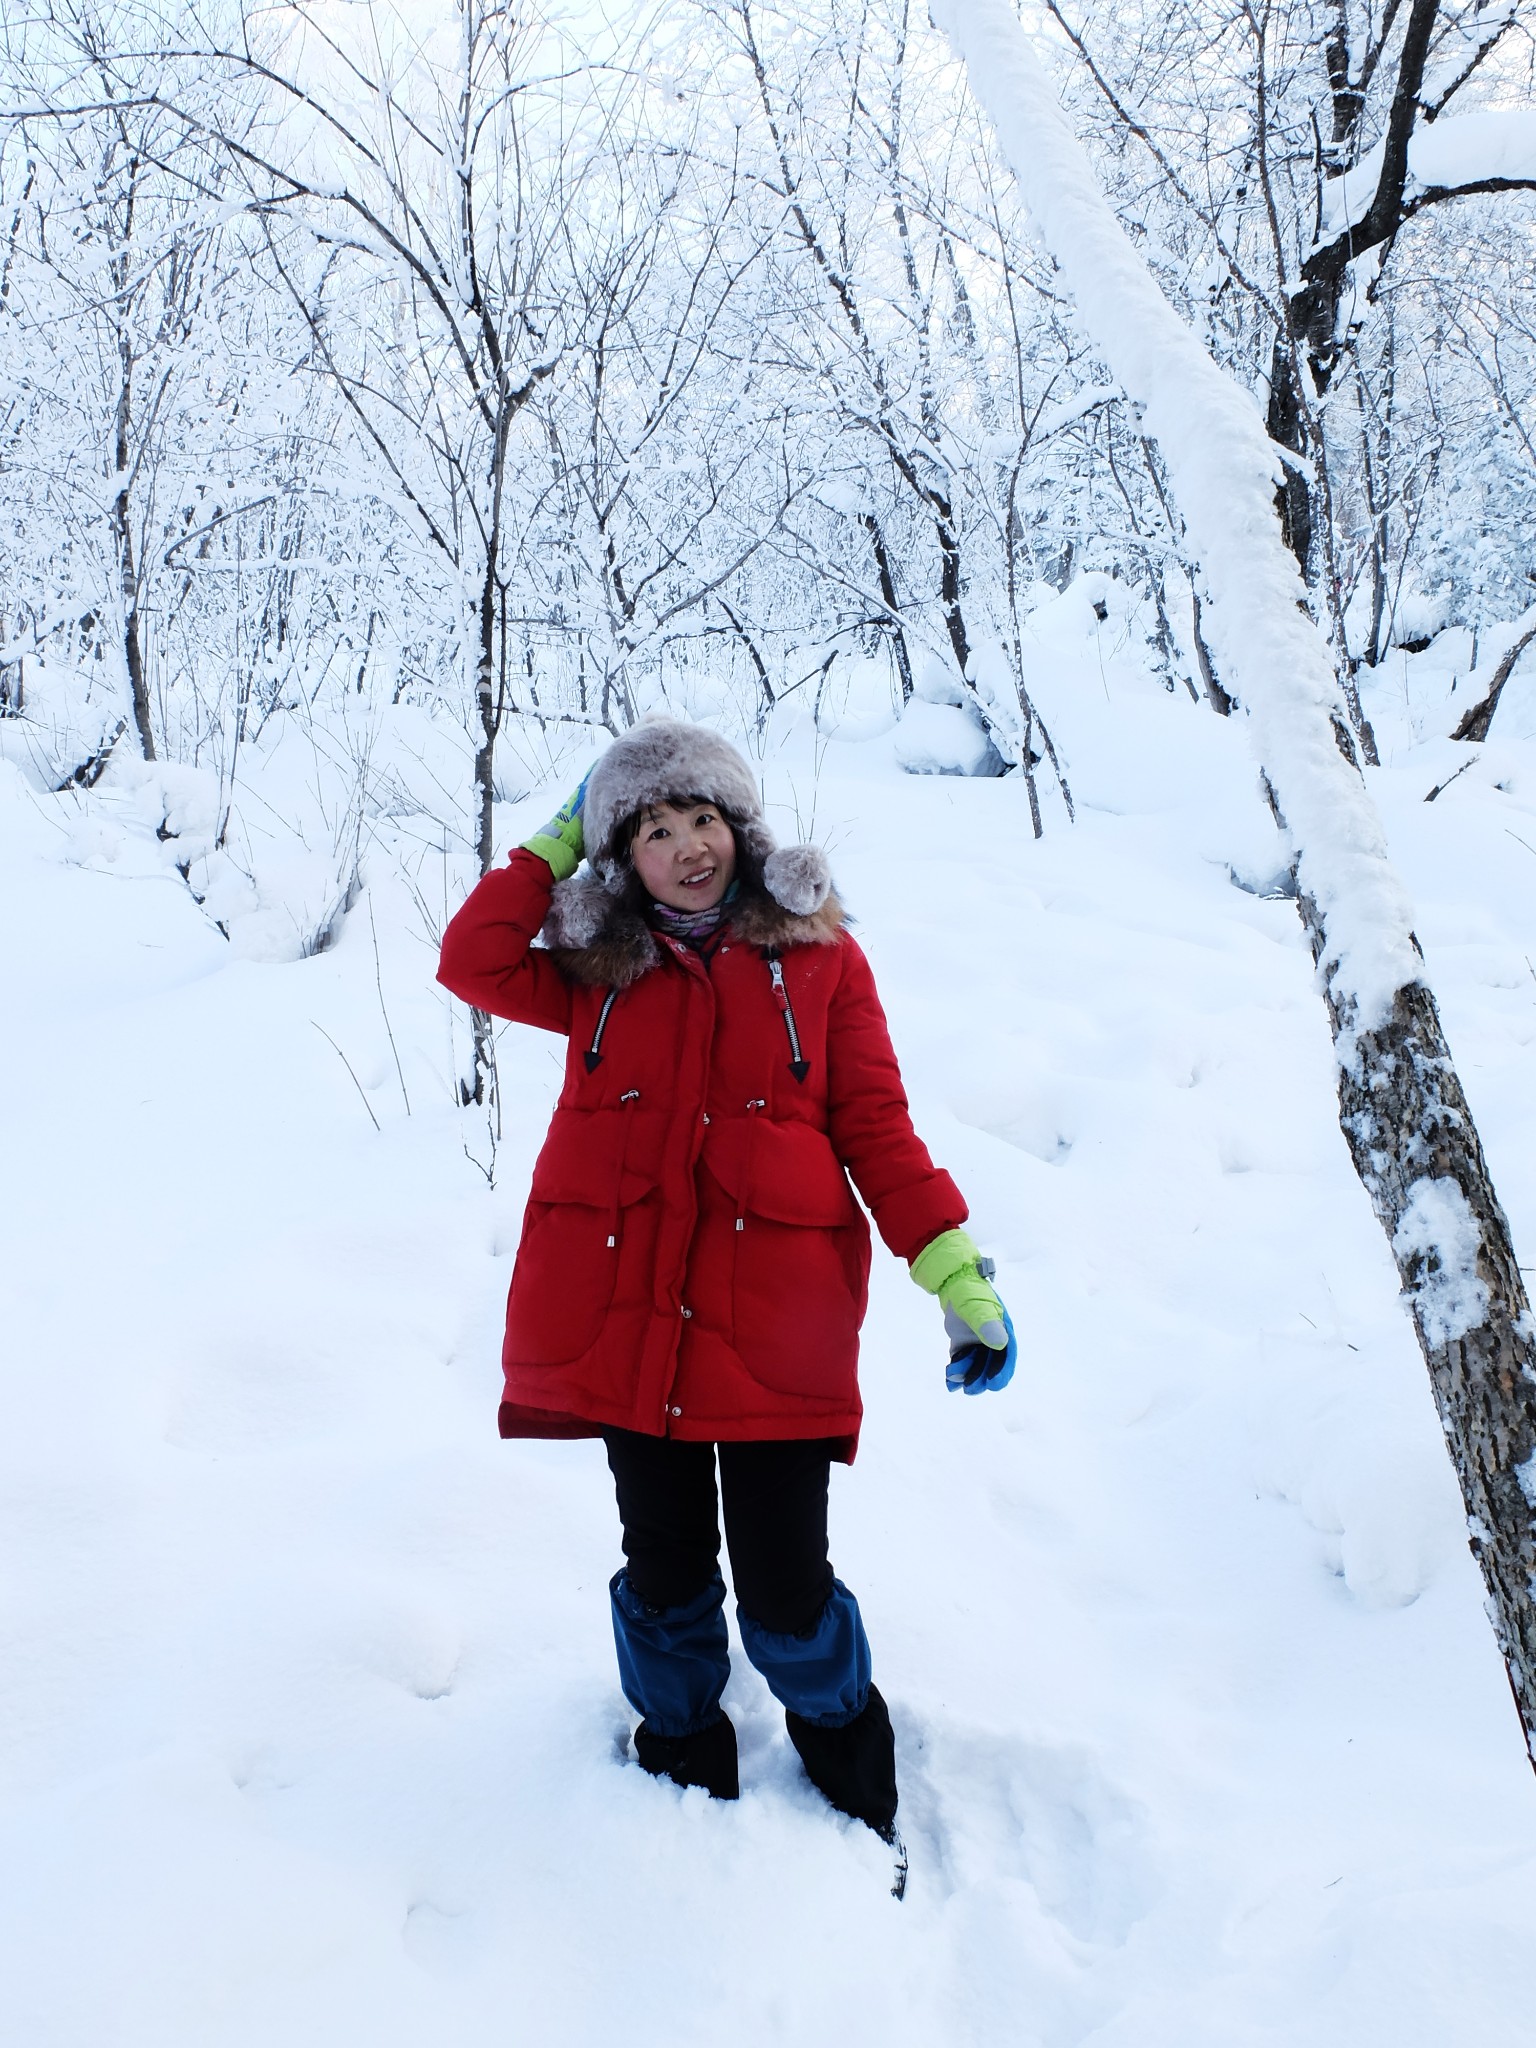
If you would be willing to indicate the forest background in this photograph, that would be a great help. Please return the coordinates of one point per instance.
(480, 377)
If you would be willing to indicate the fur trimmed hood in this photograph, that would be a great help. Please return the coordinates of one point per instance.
(597, 931)
(598, 938)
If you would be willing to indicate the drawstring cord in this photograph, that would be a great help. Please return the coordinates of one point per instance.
(753, 1107)
(631, 1095)
(746, 1166)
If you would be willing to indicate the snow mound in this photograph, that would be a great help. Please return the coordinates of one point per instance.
(944, 739)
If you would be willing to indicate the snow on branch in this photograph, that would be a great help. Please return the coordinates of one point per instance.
(1484, 152)
(1224, 469)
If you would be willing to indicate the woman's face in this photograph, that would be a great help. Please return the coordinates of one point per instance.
(685, 858)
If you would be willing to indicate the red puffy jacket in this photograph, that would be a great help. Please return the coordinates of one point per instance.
(693, 1263)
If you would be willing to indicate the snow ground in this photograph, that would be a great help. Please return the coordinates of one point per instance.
(308, 1719)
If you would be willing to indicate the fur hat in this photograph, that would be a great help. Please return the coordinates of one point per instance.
(661, 759)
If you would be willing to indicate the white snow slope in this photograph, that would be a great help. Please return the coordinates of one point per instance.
(309, 1728)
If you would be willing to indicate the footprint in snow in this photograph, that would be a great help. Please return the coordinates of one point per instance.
(979, 1807)
(442, 1940)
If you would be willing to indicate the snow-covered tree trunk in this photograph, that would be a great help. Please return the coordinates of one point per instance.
(1401, 1104)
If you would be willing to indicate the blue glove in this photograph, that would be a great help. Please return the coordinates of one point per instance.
(974, 1367)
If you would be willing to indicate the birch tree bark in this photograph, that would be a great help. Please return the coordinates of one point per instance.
(1401, 1105)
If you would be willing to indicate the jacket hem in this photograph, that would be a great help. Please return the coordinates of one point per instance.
(516, 1420)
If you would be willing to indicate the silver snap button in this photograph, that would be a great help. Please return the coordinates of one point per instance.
(677, 1411)
(688, 1312)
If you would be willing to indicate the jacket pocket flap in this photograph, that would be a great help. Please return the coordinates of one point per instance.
(599, 1156)
(787, 1171)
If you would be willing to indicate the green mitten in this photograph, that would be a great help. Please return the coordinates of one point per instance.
(950, 1267)
(560, 842)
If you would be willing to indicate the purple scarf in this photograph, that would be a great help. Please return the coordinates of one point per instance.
(692, 927)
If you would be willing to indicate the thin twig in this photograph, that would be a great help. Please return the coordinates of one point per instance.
(1439, 786)
(378, 982)
(488, 1171)
(348, 1065)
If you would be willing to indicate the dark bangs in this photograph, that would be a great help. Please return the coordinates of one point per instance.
(623, 834)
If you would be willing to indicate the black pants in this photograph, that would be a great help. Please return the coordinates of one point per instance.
(775, 1500)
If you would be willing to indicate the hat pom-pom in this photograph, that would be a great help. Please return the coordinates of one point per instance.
(799, 877)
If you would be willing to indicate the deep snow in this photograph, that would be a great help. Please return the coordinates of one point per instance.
(308, 1719)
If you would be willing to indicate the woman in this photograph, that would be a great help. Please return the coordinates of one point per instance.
(693, 1266)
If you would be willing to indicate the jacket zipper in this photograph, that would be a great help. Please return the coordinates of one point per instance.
(594, 1052)
(799, 1065)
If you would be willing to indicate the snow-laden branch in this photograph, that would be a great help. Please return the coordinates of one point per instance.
(1224, 470)
(1484, 152)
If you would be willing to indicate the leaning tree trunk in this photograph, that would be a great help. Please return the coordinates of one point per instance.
(1477, 721)
(1416, 1149)
(1401, 1105)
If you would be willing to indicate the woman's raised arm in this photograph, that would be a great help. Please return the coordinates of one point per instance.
(488, 956)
